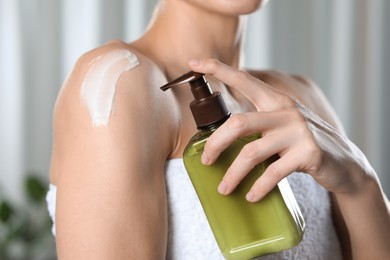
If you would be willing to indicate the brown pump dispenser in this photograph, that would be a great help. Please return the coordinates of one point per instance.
(208, 107)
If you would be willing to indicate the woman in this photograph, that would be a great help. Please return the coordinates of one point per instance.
(118, 140)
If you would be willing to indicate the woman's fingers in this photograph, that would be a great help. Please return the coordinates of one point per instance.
(246, 124)
(236, 126)
(228, 75)
(285, 133)
(274, 173)
(251, 155)
(262, 96)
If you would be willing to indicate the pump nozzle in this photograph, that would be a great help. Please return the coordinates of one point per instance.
(185, 78)
(208, 108)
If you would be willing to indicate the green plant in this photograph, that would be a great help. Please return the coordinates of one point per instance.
(25, 230)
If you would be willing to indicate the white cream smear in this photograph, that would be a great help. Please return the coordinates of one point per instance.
(99, 86)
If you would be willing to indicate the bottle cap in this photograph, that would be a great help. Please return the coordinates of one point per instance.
(208, 107)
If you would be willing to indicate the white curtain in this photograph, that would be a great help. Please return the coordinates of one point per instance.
(341, 44)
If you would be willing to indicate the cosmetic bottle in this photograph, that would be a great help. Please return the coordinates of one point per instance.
(242, 229)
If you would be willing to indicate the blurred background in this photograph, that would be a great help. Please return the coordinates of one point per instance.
(341, 45)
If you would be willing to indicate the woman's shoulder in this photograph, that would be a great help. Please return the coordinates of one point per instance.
(112, 98)
(302, 88)
(113, 90)
(114, 60)
(108, 76)
(294, 85)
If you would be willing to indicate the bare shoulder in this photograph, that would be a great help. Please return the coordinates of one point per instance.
(302, 88)
(111, 94)
(295, 85)
(115, 67)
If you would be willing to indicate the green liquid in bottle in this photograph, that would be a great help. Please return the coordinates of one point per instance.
(243, 230)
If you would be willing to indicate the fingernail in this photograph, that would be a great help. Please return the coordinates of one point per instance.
(222, 188)
(204, 158)
(194, 62)
(250, 196)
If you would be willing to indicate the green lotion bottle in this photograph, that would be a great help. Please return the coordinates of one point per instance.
(243, 230)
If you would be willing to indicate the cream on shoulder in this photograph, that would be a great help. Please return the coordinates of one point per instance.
(99, 85)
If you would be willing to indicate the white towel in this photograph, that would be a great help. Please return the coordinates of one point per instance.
(51, 205)
(190, 237)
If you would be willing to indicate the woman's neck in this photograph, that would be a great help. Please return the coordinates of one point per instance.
(181, 31)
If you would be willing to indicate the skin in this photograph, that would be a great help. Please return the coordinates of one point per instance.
(116, 172)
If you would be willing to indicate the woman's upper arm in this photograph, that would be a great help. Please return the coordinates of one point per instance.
(111, 201)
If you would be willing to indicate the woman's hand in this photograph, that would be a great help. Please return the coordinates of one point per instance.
(304, 141)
